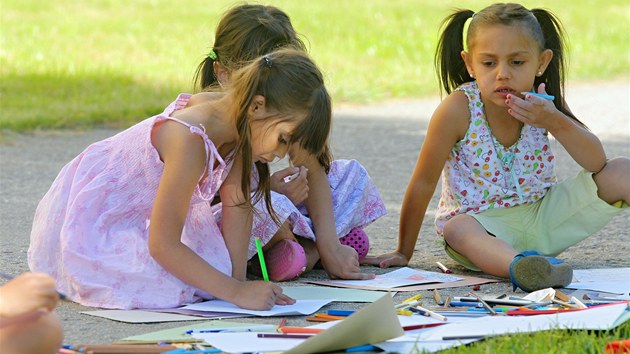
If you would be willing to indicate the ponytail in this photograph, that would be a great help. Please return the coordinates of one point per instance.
(554, 75)
(204, 75)
(448, 61)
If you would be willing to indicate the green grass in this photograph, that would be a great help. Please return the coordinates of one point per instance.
(551, 342)
(69, 63)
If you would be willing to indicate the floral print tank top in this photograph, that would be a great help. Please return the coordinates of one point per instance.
(480, 173)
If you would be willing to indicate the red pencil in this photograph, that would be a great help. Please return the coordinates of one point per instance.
(529, 312)
(419, 326)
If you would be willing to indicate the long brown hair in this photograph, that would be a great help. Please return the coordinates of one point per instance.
(244, 33)
(291, 83)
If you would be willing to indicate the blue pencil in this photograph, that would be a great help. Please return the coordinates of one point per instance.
(541, 95)
(340, 312)
(361, 348)
(466, 304)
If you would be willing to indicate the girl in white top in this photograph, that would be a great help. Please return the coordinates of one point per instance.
(501, 210)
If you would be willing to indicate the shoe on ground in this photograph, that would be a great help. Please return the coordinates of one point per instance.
(357, 239)
(533, 271)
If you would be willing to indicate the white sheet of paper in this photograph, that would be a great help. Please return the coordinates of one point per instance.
(595, 318)
(401, 277)
(247, 342)
(301, 307)
(141, 316)
(417, 319)
(609, 280)
(310, 292)
(374, 323)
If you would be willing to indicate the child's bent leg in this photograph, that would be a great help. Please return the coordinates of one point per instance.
(312, 255)
(612, 181)
(285, 258)
(285, 233)
(528, 270)
(468, 237)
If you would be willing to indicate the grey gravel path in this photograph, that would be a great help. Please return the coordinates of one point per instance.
(385, 138)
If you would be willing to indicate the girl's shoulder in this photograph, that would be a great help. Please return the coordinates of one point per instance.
(453, 112)
(203, 97)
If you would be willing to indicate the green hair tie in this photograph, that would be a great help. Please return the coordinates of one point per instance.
(212, 54)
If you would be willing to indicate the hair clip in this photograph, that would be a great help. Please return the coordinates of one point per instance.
(267, 61)
(212, 54)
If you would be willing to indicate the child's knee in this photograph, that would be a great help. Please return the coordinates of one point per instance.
(612, 180)
(617, 168)
(452, 230)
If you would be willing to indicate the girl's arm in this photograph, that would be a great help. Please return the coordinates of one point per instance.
(339, 261)
(184, 160)
(583, 146)
(447, 126)
(236, 224)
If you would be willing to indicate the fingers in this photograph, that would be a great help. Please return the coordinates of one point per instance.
(359, 276)
(395, 261)
(279, 297)
(386, 260)
(523, 109)
(370, 260)
(518, 115)
(283, 299)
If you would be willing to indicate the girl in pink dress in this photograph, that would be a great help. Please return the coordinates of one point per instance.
(322, 205)
(128, 222)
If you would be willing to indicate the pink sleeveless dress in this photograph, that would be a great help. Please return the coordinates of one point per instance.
(90, 230)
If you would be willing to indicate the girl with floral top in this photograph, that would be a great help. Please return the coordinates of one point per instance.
(502, 210)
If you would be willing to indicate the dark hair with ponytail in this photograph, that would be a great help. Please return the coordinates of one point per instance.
(543, 26)
(244, 33)
(448, 61)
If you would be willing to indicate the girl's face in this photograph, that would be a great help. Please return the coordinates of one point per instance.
(270, 137)
(505, 60)
(270, 140)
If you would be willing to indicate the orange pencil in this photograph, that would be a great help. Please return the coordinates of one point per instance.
(299, 330)
(330, 317)
(317, 319)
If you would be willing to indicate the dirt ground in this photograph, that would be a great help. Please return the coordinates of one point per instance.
(385, 138)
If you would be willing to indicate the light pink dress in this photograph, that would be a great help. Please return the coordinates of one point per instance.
(90, 230)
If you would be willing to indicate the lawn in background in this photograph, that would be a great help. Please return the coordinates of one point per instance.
(77, 64)
(68, 63)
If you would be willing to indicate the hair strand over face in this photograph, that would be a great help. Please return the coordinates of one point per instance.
(294, 90)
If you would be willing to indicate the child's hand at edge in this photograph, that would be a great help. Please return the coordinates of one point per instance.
(260, 295)
(392, 259)
(26, 293)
